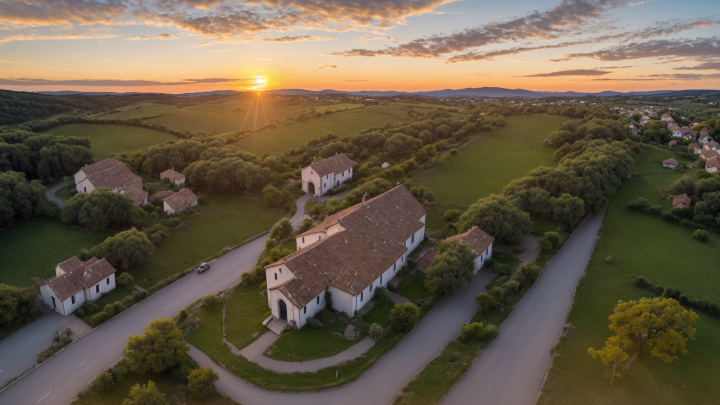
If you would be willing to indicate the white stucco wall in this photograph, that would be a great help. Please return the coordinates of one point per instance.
(92, 295)
(306, 240)
(283, 274)
(482, 256)
(326, 183)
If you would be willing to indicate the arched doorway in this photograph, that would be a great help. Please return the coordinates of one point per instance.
(283, 310)
(311, 188)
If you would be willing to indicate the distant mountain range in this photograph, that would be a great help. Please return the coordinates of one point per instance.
(490, 92)
(497, 92)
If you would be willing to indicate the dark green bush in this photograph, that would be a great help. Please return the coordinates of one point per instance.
(701, 235)
(376, 331)
(326, 316)
(314, 323)
(659, 289)
(671, 292)
(641, 282)
(472, 332)
(382, 294)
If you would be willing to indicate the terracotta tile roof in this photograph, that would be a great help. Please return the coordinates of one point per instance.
(475, 237)
(350, 260)
(112, 177)
(136, 194)
(708, 154)
(712, 145)
(695, 145)
(713, 162)
(181, 199)
(673, 142)
(681, 201)
(162, 195)
(83, 276)
(70, 264)
(666, 115)
(100, 166)
(426, 259)
(671, 161)
(171, 174)
(334, 164)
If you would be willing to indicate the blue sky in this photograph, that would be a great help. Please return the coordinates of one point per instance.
(196, 45)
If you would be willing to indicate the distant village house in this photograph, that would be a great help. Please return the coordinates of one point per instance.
(713, 164)
(109, 173)
(480, 241)
(681, 201)
(671, 163)
(173, 176)
(180, 201)
(320, 177)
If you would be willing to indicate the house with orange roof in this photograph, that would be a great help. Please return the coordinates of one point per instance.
(75, 282)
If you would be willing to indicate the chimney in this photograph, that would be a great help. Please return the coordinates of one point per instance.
(364, 196)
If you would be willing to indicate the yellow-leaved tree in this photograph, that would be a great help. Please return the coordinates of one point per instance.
(612, 353)
(660, 324)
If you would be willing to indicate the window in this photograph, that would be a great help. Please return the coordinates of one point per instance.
(305, 310)
(275, 276)
(97, 288)
(107, 281)
(53, 301)
(317, 300)
(327, 176)
(381, 279)
(324, 184)
(303, 239)
(362, 294)
(487, 250)
(85, 189)
(394, 266)
(72, 300)
(370, 287)
(318, 237)
(402, 259)
(412, 240)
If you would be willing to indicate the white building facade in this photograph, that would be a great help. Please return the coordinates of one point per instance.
(350, 254)
(321, 177)
(480, 241)
(76, 282)
(109, 173)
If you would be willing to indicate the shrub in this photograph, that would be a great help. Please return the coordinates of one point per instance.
(641, 204)
(282, 230)
(145, 395)
(314, 323)
(326, 316)
(382, 294)
(404, 316)
(80, 312)
(683, 299)
(270, 243)
(502, 269)
(491, 331)
(511, 288)
(472, 332)
(671, 292)
(376, 331)
(659, 289)
(701, 235)
(499, 294)
(341, 317)
(109, 309)
(528, 273)
(209, 301)
(453, 151)
(125, 280)
(201, 383)
(103, 381)
(549, 241)
(485, 301)
(642, 282)
(451, 215)
(328, 299)
(181, 316)
(118, 307)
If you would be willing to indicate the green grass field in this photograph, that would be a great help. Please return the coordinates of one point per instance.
(310, 344)
(244, 313)
(142, 111)
(665, 253)
(222, 220)
(278, 140)
(109, 139)
(488, 164)
(33, 249)
(340, 107)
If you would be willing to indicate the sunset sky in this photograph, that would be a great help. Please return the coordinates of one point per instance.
(177, 46)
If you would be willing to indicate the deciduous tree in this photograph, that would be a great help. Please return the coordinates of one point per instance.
(161, 347)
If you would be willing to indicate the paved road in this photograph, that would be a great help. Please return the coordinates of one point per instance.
(383, 382)
(17, 352)
(61, 377)
(511, 369)
(49, 192)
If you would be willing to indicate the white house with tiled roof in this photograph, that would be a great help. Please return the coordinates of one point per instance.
(173, 176)
(110, 174)
(480, 241)
(350, 254)
(320, 177)
(75, 282)
(180, 201)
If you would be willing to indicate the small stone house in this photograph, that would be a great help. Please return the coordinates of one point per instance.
(712, 145)
(696, 148)
(173, 176)
(708, 154)
(138, 195)
(671, 163)
(480, 241)
(350, 254)
(713, 164)
(320, 177)
(666, 117)
(180, 201)
(673, 144)
(681, 201)
(75, 282)
(109, 173)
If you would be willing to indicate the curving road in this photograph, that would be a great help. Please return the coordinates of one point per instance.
(511, 369)
(50, 193)
(60, 378)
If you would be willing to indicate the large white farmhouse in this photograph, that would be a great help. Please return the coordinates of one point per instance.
(350, 253)
(480, 241)
(114, 176)
(75, 282)
(320, 177)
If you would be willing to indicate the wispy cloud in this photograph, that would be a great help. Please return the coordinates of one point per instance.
(116, 82)
(222, 50)
(327, 67)
(706, 65)
(688, 48)
(298, 38)
(574, 72)
(53, 37)
(355, 80)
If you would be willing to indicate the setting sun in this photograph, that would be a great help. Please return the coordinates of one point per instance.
(260, 80)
